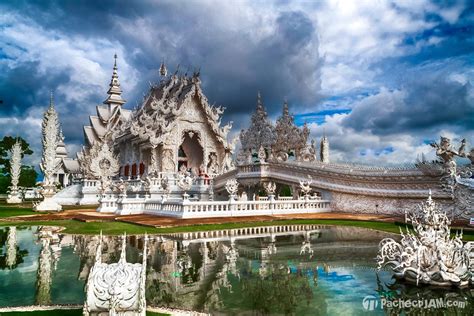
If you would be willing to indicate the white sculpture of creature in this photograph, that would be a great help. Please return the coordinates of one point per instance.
(429, 256)
(232, 186)
(270, 187)
(213, 165)
(305, 186)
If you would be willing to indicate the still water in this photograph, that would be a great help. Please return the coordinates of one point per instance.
(300, 270)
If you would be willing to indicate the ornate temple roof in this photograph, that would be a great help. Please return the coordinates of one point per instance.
(166, 102)
(110, 114)
(261, 131)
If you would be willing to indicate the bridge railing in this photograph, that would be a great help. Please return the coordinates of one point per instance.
(200, 209)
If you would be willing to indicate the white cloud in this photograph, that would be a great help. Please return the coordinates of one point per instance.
(87, 61)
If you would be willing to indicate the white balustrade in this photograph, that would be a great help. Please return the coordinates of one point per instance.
(201, 209)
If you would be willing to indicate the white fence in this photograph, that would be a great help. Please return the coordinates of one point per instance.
(201, 209)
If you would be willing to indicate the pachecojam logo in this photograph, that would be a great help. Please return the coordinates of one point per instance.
(370, 303)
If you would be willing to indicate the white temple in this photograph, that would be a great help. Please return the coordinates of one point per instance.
(170, 156)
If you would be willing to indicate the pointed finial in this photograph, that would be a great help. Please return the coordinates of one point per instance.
(114, 93)
(259, 100)
(286, 110)
(429, 196)
(51, 99)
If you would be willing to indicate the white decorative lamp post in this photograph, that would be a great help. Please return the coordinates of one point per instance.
(15, 169)
(50, 130)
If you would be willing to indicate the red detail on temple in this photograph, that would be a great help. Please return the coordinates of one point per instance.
(134, 170)
(127, 170)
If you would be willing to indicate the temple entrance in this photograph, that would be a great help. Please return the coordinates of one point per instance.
(190, 153)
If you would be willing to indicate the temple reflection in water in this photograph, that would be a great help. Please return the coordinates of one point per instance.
(275, 269)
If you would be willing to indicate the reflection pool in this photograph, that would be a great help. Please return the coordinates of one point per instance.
(293, 269)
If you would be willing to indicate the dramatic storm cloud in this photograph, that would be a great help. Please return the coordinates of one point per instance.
(380, 78)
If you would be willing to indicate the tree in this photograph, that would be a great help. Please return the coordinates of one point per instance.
(28, 176)
(6, 145)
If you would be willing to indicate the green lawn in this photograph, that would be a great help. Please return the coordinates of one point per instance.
(117, 228)
(15, 210)
(27, 209)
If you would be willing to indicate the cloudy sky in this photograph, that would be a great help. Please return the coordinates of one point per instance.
(381, 78)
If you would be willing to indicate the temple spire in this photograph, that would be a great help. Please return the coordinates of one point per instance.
(51, 100)
(324, 149)
(115, 93)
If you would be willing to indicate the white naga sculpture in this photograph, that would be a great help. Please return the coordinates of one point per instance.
(50, 130)
(455, 180)
(117, 288)
(15, 168)
(429, 256)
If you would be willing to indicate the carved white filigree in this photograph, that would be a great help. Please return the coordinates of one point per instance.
(14, 195)
(454, 180)
(103, 164)
(116, 288)
(11, 254)
(232, 186)
(184, 182)
(290, 137)
(50, 131)
(305, 186)
(270, 187)
(261, 132)
(429, 255)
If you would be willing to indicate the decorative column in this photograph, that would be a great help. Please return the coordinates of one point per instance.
(43, 282)
(15, 168)
(50, 131)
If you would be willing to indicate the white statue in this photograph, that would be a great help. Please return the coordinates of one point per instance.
(261, 154)
(213, 165)
(270, 187)
(103, 164)
(50, 129)
(232, 187)
(429, 256)
(116, 288)
(15, 168)
(184, 182)
(305, 186)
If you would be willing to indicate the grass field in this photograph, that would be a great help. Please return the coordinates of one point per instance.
(117, 228)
